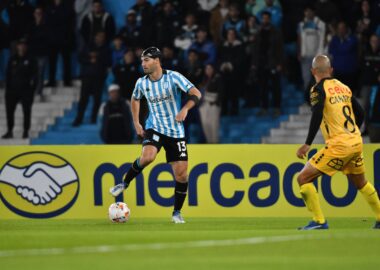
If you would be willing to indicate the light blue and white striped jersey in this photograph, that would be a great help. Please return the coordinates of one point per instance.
(164, 100)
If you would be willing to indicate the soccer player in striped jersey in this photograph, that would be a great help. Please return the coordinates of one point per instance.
(164, 126)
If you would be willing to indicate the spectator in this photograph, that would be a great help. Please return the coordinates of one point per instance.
(144, 17)
(20, 14)
(118, 50)
(131, 32)
(344, 51)
(97, 21)
(365, 25)
(60, 20)
(370, 73)
(167, 25)
(234, 21)
(94, 63)
(169, 59)
(4, 45)
(252, 29)
(193, 67)
(311, 37)
(187, 33)
(275, 11)
(100, 46)
(116, 125)
(82, 8)
(253, 7)
(269, 64)
(204, 47)
(193, 71)
(231, 58)
(217, 19)
(212, 87)
(20, 87)
(126, 74)
(251, 93)
(38, 38)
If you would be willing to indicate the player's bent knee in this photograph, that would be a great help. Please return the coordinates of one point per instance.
(182, 177)
(147, 158)
(302, 179)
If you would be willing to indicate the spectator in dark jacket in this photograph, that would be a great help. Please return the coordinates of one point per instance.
(234, 22)
(370, 73)
(38, 39)
(365, 25)
(131, 32)
(231, 67)
(166, 24)
(126, 73)
(344, 51)
(193, 67)
(117, 119)
(61, 22)
(169, 59)
(20, 87)
(144, 16)
(95, 62)
(117, 50)
(4, 44)
(268, 60)
(20, 14)
(204, 47)
(97, 21)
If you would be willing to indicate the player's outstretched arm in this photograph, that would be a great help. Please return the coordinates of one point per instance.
(194, 98)
(135, 104)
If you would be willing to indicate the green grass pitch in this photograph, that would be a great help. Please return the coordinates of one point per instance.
(213, 243)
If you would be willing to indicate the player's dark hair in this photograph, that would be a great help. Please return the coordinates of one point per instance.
(152, 52)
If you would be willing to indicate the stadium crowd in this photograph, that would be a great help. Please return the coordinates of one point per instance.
(232, 50)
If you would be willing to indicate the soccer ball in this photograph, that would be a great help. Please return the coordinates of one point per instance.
(119, 212)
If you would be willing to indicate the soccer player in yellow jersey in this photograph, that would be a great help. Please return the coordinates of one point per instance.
(339, 115)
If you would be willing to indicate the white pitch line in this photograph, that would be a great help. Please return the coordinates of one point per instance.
(160, 246)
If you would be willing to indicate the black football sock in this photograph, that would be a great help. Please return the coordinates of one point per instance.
(180, 193)
(135, 170)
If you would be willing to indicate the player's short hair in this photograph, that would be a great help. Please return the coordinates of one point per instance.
(151, 52)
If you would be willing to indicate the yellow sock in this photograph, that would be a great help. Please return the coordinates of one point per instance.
(370, 195)
(310, 196)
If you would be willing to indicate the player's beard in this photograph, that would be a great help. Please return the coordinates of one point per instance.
(148, 71)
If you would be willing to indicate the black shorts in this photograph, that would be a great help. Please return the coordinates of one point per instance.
(175, 148)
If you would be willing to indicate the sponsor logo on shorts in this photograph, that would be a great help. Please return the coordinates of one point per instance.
(359, 162)
(336, 164)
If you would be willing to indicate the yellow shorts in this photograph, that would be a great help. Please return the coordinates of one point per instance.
(332, 159)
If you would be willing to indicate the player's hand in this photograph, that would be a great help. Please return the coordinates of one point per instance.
(181, 116)
(139, 130)
(302, 151)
